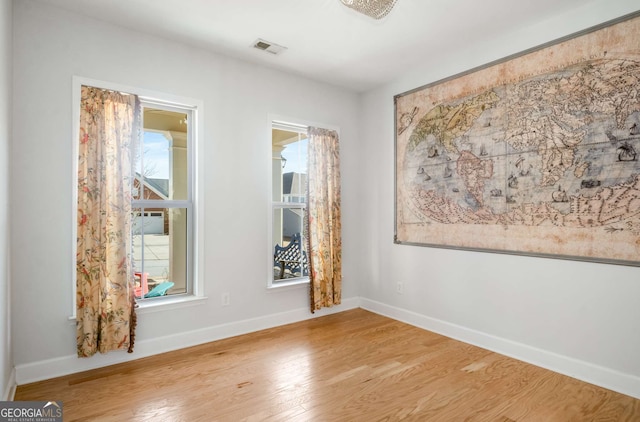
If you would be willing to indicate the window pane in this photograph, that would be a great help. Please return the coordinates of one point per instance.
(289, 237)
(289, 185)
(162, 162)
(290, 167)
(160, 248)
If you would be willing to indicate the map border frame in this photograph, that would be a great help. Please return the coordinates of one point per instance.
(471, 71)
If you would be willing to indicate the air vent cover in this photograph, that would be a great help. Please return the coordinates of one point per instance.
(268, 46)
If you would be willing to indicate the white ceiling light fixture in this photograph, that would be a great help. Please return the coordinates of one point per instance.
(376, 9)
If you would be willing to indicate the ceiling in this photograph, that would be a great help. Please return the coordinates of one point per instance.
(325, 40)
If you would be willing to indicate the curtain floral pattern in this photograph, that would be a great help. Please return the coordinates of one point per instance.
(324, 223)
(105, 318)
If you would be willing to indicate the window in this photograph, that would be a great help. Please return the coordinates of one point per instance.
(167, 242)
(162, 233)
(289, 202)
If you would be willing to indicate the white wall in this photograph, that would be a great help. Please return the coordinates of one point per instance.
(52, 45)
(578, 318)
(6, 362)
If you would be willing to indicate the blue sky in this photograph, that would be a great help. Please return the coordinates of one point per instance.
(296, 155)
(156, 155)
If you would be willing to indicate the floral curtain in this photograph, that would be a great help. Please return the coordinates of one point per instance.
(324, 226)
(105, 318)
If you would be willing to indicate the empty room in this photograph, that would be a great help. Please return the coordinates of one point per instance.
(320, 210)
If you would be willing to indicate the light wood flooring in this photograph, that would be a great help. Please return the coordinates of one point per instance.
(351, 366)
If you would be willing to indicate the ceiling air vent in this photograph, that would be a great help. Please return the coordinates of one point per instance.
(269, 47)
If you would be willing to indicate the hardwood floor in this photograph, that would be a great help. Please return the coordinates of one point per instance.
(352, 366)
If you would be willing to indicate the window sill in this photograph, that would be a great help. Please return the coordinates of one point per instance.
(164, 304)
(292, 283)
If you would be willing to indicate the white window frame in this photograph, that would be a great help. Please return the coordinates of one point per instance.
(195, 252)
(292, 126)
(187, 203)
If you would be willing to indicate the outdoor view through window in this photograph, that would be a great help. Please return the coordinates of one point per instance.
(289, 181)
(162, 204)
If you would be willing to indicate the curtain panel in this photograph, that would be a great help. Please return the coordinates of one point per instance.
(324, 221)
(109, 128)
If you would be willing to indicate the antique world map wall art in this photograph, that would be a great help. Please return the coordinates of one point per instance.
(536, 154)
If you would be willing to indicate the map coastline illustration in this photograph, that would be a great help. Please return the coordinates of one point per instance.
(557, 152)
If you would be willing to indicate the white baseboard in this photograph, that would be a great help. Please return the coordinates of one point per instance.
(10, 389)
(584, 371)
(51, 368)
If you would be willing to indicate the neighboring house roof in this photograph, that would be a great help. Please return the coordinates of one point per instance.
(294, 185)
(159, 186)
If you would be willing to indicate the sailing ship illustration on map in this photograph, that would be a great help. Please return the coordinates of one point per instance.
(557, 138)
